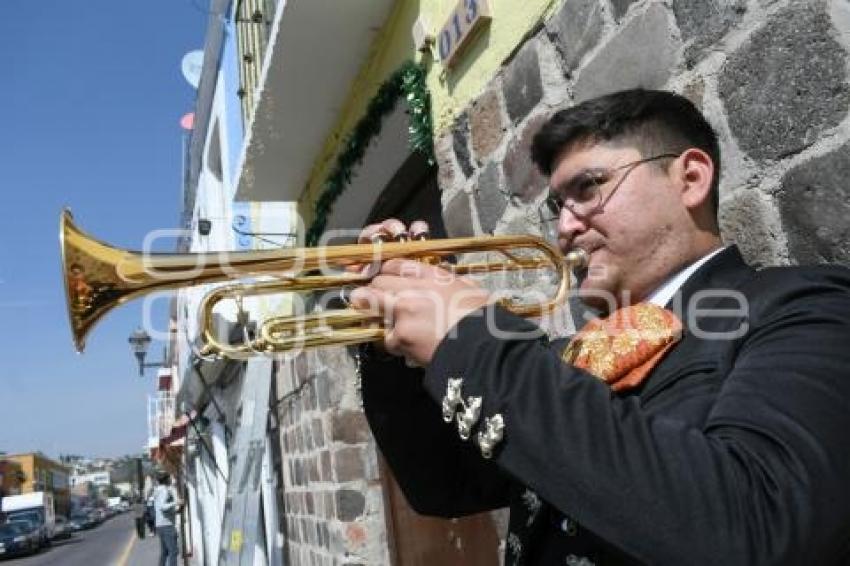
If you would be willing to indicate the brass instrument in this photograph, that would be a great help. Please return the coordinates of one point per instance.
(98, 277)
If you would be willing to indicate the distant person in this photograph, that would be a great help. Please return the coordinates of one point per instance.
(140, 516)
(166, 504)
(149, 514)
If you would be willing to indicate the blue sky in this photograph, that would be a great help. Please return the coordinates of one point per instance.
(91, 95)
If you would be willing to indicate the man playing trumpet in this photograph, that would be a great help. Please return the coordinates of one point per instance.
(703, 421)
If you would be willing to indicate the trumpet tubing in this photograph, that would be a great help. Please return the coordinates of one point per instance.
(98, 277)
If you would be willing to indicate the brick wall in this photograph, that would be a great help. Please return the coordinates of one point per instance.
(332, 495)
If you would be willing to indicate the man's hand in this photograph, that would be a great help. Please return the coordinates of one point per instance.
(419, 302)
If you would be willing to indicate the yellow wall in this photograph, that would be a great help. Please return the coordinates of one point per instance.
(38, 467)
(10, 471)
(451, 91)
(27, 464)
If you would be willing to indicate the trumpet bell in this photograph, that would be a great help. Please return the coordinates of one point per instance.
(92, 284)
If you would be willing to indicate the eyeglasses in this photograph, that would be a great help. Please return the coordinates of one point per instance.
(582, 195)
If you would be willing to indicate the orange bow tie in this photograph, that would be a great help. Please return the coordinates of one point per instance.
(624, 347)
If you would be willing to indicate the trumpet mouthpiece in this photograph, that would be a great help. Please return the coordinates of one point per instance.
(577, 258)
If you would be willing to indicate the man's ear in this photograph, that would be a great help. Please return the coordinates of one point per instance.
(695, 172)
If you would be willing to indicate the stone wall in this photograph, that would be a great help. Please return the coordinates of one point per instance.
(333, 508)
(771, 76)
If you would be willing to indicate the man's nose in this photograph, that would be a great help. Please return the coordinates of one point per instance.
(570, 226)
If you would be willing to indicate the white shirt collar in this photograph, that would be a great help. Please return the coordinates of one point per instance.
(662, 295)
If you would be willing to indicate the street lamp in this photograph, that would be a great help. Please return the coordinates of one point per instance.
(139, 341)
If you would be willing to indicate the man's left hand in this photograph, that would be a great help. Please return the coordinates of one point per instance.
(420, 304)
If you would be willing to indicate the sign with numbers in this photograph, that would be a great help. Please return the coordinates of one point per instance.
(466, 19)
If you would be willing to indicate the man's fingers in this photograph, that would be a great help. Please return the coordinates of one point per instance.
(392, 343)
(419, 230)
(413, 269)
(372, 299)
(390, 229)
(370, 232)
(391, 284)
(394, 229)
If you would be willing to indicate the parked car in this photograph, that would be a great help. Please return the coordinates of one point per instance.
(31, 529)
(16, 539)
(81, 520)
(35, 522)
(62, 528)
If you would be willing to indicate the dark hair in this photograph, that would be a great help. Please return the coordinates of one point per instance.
(652, 121)
(163, 478)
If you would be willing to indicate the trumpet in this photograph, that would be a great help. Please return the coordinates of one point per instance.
(98, 277)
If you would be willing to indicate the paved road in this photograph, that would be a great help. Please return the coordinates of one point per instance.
(104, 545)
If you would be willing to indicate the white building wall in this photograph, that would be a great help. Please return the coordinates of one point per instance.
(95, 478)
(214, 202)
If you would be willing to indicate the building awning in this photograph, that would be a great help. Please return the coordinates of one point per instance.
(297, 106)
(169, 452)
(169, 457)
(177, 435)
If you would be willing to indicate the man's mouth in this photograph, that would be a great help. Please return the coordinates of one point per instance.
(590, 271)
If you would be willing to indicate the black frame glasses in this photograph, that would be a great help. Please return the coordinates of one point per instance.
(583, 196)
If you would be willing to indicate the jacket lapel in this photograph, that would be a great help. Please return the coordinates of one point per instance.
(702, 292)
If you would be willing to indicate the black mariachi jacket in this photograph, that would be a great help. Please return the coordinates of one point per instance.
(734, 451)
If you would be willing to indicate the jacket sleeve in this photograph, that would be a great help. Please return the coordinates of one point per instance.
(763, 481)
(438, 474)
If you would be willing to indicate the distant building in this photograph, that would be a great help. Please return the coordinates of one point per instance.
(125, 488)
(43, 474)
(98, 478)
(11, 478)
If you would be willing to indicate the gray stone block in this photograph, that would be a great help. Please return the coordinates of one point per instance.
(746, 220)
(325, 466)
(575, 30)
(348, 464)
(460, 144)
(704, 22)
(486, 125)
(349, 427)
(523, 178)
(787, 85)
(457, 216)
(621, 7)
(490, 198)
(350, 504)
(642, 54)
(323, 391)
(318, 433)
(522, 85)
(814, 203)
(302, 371)
(695, 91)
(447, 168)
(524, 220)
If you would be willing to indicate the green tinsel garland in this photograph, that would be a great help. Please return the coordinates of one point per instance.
(407, 81)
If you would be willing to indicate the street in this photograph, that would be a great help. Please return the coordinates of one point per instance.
(106, 544)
